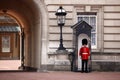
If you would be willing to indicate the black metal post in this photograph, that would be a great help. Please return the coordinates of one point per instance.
(22, 47)
(61, 40)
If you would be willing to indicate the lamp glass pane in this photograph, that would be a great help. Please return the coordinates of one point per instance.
(61, 19)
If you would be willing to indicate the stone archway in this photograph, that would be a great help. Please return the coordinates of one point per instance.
(44, 35)
(32, 17)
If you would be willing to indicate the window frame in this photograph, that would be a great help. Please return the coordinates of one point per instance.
(82, 14)
(6, 55)
(3, 43)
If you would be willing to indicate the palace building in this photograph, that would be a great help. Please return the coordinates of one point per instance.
(30, 35)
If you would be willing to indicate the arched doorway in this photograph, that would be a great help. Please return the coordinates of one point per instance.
(31, 16)
(10, 34)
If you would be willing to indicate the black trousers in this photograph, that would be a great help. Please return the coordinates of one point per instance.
(84, 65)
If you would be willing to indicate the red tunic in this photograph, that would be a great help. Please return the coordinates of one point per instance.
(84, 53)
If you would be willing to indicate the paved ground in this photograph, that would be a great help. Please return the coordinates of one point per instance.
(59, 75)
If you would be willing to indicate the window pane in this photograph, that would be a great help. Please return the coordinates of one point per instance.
(91, 20)
(86, 19)
(93, 23)
(5, 43)
(93, 39)
(80, 18)
(93, 29)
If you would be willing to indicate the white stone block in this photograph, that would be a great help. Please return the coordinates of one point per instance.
(111, 22)
(112, 50)
(55, 44)
(112, 15)
(83, 2)
(87, 8)
(112, 8)
(62, 62)
(57, 37)
(57, 29)
(112, 29)
(112, 37)
(112, 45)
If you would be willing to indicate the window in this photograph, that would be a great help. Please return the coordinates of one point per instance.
(90, 18)
(5, 43)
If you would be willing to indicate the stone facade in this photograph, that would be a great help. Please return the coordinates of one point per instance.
(107, 51)
(38, 19)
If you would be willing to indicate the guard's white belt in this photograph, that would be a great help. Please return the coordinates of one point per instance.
(84, 53)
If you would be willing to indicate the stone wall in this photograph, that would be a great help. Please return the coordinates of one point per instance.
(107, 52)
(106, 61)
